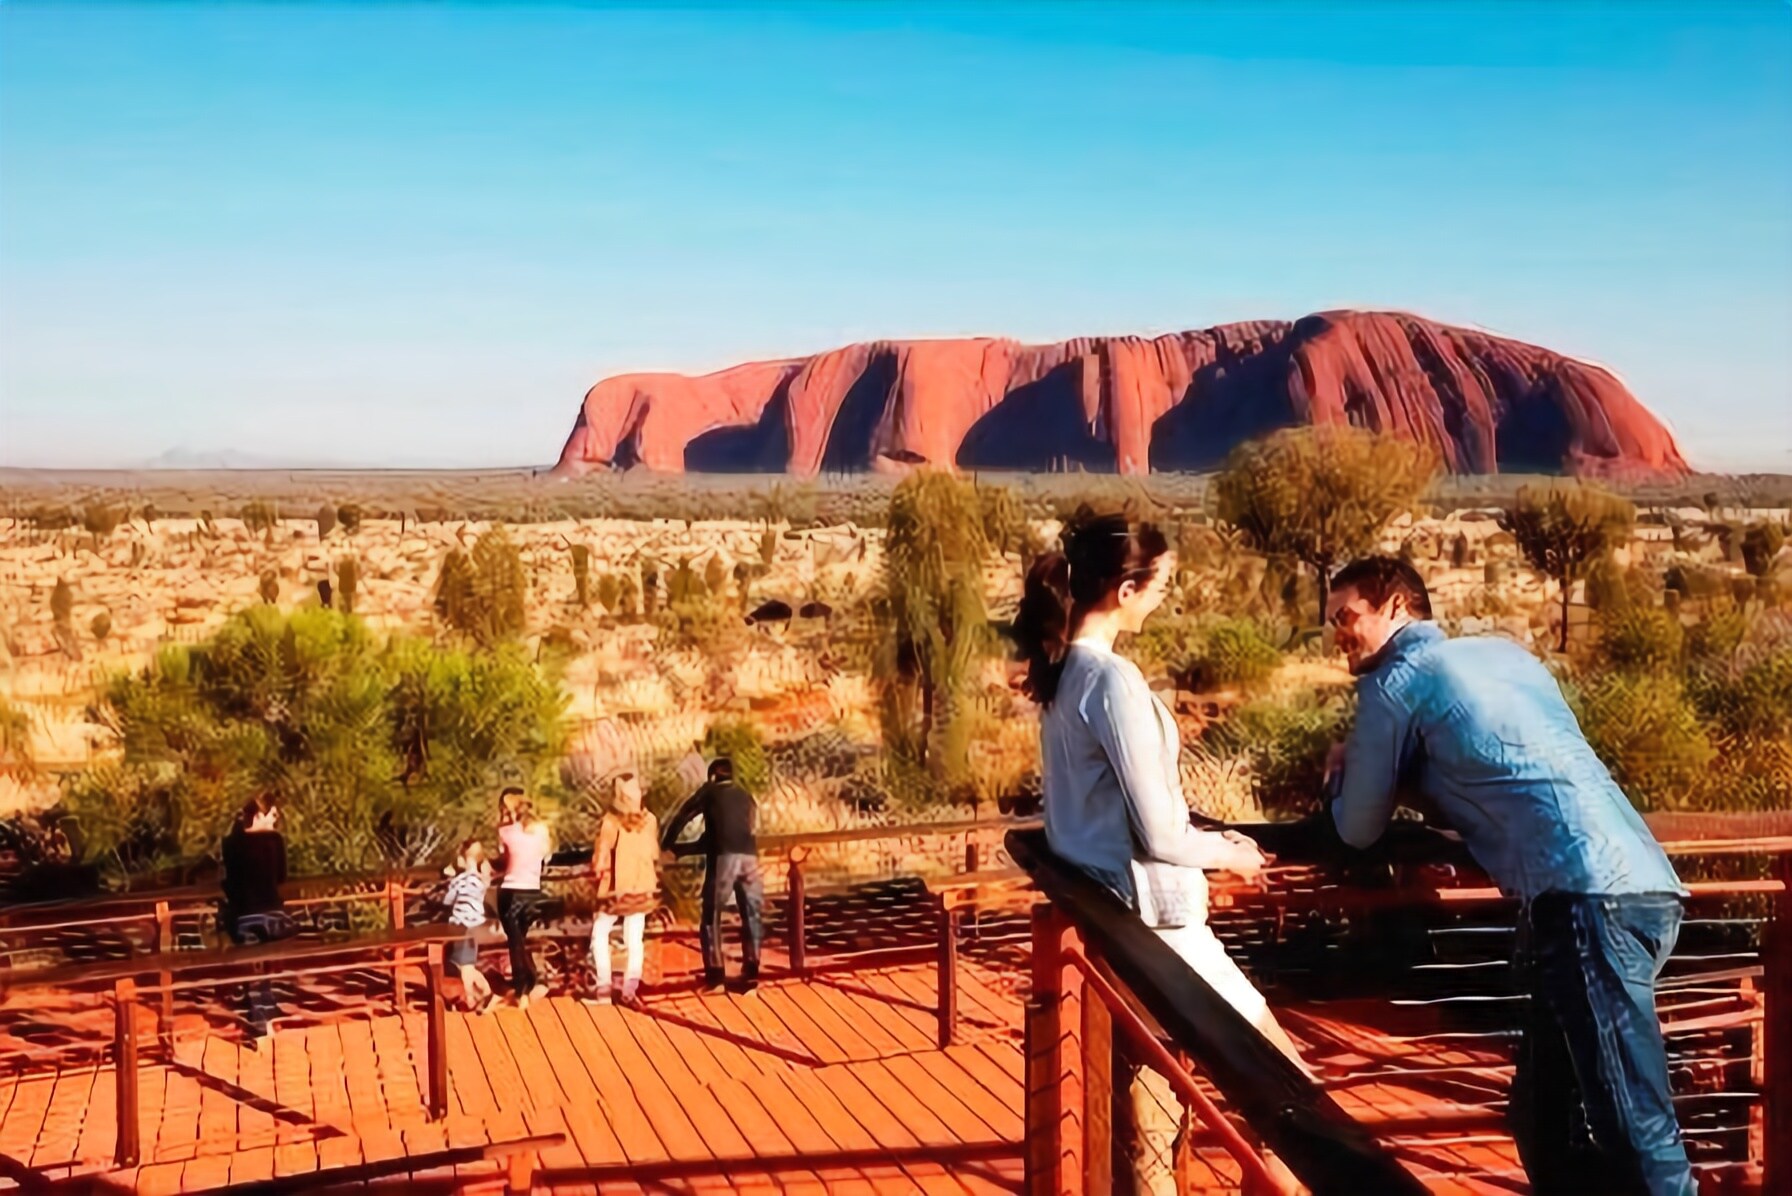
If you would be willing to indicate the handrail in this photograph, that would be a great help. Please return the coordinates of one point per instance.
(1319, 1142)
(125, 992)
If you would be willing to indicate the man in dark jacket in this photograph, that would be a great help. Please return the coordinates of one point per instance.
(731, 867)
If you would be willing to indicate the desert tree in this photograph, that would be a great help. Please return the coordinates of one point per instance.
(1563, 527)
(1321, 495)
(483, 593)
(938, 632)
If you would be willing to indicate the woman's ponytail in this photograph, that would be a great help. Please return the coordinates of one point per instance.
(1042, 625)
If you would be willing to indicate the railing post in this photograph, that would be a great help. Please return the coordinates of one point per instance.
(124, 1057)
(799, 951)
(395, 910)
(165, 978)
(1776, 1032)
(1054, 1104)
(1099, 1096)
(973, 860)
(948, 964)
(436, 1024)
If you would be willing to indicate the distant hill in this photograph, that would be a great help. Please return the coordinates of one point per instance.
(182, 457)
(1130, 404)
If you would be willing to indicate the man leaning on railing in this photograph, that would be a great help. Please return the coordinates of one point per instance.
(1479, 728)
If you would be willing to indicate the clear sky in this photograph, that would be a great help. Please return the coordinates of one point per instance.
(415, 235)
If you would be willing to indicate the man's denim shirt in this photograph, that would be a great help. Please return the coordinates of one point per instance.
(1479, 727)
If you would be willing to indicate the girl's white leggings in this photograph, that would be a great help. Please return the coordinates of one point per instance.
(634, 932)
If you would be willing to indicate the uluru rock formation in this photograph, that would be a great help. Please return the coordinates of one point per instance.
(1129, 404)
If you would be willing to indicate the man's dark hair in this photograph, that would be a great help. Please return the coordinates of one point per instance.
(721, 769)
(1379, 578)
(508, 791)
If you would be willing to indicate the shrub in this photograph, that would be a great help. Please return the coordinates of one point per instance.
(715, 575)
(1005, 523)
(380, 753)
(581, 574)
(349, 515)
(101, 626)
(1287, 743)
(701, 623)
(259, 516)
(1761, 543)
(62, 602)
(270, 586)
(326, 521)
(740, 741)
(101, 521)
(1642, 639)
(1209, 652)
(16, 756)
(609, 592)
(348, 580)
(483, 594)
(1647, 733)
(683, 585)
(1233, 652)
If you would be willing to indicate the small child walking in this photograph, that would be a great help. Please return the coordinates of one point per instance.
(469, 877)
(626, 864)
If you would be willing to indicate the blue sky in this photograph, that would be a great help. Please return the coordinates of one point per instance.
(415, 235)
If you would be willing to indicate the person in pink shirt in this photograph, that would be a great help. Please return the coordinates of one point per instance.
(525, 845)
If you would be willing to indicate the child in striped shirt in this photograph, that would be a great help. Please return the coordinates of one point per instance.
(469, 877)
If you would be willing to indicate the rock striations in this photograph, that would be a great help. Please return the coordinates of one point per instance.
(1174, 402)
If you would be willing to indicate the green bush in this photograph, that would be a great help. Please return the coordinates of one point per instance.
(102, 521)
(1209, 653)
(381, 753)
(484, 594)
(1641, 639)
(259, 516)
(581, 574)
(609, 592)
(1287, 743)
(740, 741)
(348, 581)
(1648, 734)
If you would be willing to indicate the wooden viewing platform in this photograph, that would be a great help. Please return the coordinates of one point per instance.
(832, 1077)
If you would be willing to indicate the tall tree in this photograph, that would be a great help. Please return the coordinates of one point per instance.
(935, 552)
(1564, 527)
(1320, 495)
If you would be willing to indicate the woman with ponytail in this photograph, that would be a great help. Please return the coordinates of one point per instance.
(1113, 789)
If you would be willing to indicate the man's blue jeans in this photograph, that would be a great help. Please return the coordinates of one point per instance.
(1592, 1111)
(736, 876)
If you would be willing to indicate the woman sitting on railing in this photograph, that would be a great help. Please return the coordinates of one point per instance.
(1113, 789)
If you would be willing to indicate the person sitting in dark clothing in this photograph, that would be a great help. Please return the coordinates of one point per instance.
(731, 868)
